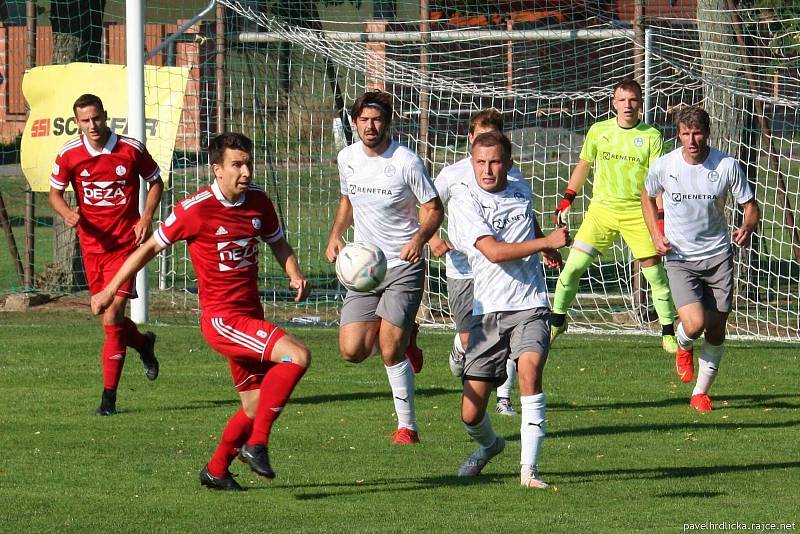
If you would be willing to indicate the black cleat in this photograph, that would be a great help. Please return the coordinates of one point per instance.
(108, 403)
(257, 457)
(226, 483)
(148, 356)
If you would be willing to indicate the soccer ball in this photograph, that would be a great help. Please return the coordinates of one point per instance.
(361, 266)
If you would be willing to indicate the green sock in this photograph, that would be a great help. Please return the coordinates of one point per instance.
(567, 285)
(662, 300)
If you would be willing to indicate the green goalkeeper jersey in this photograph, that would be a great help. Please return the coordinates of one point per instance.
(621, 157)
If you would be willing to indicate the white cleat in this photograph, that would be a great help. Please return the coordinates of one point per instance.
(504, 407)
(473, 466)
(529, 478)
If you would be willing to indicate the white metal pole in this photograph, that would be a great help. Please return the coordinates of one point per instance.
(134, 53)
(648, 75)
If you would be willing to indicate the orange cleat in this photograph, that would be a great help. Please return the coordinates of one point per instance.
(684, 364)
(413, 352)
(404, 436)
(701, 402)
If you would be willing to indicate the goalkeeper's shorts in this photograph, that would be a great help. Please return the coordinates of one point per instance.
(601, 226)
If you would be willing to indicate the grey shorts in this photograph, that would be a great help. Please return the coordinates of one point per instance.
(708, 281)
(459, 297)
(396, 300)
(497, 336)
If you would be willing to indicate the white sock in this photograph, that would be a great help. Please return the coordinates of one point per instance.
(458, 345)
(683, 340)
(532, 429)
(709, 359)
(482, 433)
(401, 380)
(504, 389)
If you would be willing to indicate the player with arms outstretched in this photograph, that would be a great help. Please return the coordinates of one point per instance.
(621, 150)
(381, 183)
(459, 273)
(499, 234)
(696, 180)
(223, 224)
(103, 169)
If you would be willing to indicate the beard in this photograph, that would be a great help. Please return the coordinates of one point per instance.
(376, 141)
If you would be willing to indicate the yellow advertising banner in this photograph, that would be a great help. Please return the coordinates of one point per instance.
(51, 91)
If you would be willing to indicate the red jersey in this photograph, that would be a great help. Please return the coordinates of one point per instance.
(223, 237)
(106, 184)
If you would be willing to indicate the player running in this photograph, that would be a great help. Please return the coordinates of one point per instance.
(103, 169)
(381, 183)
(223, 224)
(621, 150)
(696, 180)
(498, 231)
(459, 273)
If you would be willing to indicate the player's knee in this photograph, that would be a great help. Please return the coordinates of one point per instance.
(301, 356)
(352, 354)
(471, 417)
(694, 328)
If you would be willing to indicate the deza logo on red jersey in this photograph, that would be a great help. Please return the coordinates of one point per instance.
(69, 126)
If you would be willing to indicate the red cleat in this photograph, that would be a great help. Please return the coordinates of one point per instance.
(684, 364)
(413, 352)
(701, 402)
(404, 436)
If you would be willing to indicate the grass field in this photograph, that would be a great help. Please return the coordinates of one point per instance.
(623, 449)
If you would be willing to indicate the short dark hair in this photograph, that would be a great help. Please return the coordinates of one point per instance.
(490, 139)
(694, 116)
(486, 117)
(232, 140)
(86, 100)
(628, 84)
(380, 100)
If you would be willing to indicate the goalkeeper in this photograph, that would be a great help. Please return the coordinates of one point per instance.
(621, 149)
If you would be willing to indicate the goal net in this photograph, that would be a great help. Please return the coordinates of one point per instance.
(290, 70)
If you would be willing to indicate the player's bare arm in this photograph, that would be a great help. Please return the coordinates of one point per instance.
(500, 251)
(576, 181)
(342, 221)
(752, 215)
(284, 253)
(650, 212)
(102, 300)
(551, 258)
(143, 228)
(439, 246)
(71, 216)
(431, 215)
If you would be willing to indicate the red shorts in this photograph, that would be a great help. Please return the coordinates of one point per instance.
(246, 342)
(101, 267)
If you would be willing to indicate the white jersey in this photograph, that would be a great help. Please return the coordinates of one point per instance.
(694, 201)
(459, 175)
(507, 216)
(384, 191)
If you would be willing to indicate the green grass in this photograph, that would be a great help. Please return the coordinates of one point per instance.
(623, 448)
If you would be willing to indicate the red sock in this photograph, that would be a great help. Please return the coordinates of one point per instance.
(278, 384)
(133, 338)
(233, 437)
(113, 355)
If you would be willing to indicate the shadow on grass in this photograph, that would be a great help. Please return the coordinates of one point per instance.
(691, 494)
(669, 473)
(735, 402)
(688, 425)
(339, 489)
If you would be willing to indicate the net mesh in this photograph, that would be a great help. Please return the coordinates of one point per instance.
(290, 69)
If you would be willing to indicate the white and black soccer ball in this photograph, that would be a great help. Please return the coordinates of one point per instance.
(361, 266)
